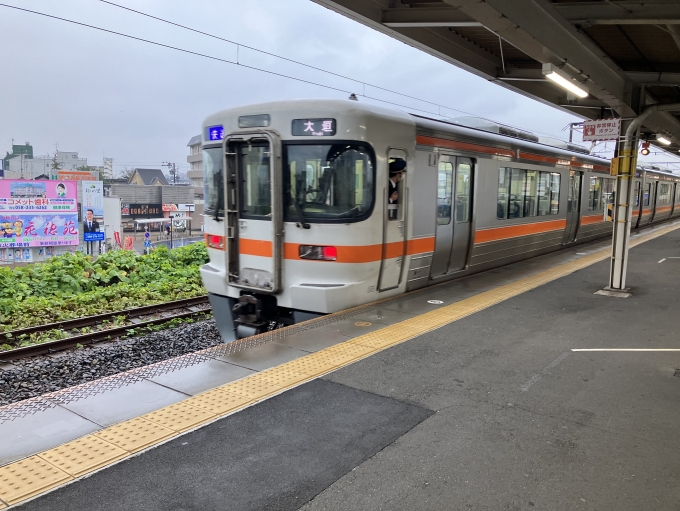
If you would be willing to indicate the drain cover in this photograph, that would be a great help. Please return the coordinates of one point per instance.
(435, 302)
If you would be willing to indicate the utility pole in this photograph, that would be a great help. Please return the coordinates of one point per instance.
(172, 169)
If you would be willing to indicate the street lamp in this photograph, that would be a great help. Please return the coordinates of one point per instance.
(171, 218)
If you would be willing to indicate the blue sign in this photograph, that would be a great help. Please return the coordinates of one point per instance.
(215, 132)
(93, 236)
(147, 234)
(147, 243)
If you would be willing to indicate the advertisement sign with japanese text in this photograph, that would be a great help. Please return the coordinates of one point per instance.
(92, 198)
(603, 129)
(76, 175)
(128, 243)
(38, 213)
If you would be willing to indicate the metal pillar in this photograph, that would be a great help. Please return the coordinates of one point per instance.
(626, 166)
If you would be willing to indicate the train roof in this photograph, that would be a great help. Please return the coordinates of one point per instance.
(505, 137)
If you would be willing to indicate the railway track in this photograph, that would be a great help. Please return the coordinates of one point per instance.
(134, 318)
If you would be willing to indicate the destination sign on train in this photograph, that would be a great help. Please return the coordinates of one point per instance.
(313, 127)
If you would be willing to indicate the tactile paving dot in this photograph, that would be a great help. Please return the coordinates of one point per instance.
(218, 401)
(347, 352)
(252, 387)
(135, 434)
(28, 477)
(180, 416)
(83, 455)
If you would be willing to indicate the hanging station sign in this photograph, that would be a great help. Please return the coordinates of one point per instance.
(602, 129)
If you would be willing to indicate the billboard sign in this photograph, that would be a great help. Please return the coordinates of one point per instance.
(38, 213)
(141, 210)
(93, 198)
(93, 236)
(603, 129)
(76, 175)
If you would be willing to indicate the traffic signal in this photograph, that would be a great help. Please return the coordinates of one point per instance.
(645, 149)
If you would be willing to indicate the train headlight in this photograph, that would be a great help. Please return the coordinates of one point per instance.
(318, 253)
(215, 241)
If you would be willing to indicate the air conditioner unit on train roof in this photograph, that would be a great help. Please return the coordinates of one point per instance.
(494, 127)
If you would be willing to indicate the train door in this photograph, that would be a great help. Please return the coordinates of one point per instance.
(393, 226)
(573, 206)
(254, 211)
(454, 207)
(463, 213)
(674, 188)
(635, 218)
(655, 200)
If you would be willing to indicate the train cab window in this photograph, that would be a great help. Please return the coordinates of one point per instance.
(255, 181)
(328, 183)
(213, 176)
(444, 192)
(463, 193)
(595, 194)
(648, 190)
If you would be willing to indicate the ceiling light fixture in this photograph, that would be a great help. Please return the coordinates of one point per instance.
(663, 140)
(565, 81)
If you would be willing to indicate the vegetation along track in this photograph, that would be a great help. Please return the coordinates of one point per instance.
(114, 324)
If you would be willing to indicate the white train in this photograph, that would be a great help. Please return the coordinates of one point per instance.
(302, 220)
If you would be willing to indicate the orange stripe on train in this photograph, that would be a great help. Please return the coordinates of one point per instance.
(346, 254)
(514, 231)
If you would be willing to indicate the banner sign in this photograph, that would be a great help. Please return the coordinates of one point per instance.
(93, 236)
(129, 243)
(116, 238)
(93, 198)
(603, 129)
(38, 196)
(38, 213)
(141, 210)
(76, 175)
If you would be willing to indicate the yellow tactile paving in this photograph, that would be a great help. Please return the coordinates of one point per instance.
(28, 477)
(83, 455)
(282, 376)
(135, 434)
(180, 416)
(218, 401)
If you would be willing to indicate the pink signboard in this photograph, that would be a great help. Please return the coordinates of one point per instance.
(38, 213)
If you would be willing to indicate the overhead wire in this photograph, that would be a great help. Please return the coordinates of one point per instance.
(239, 63)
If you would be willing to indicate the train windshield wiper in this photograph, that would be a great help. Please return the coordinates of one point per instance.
(302, 223)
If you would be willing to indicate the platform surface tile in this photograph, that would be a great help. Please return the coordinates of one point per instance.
(484, 407)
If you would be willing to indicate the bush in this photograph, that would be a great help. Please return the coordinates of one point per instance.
(73, 285)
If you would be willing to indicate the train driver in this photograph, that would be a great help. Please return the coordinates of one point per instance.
(397, 169)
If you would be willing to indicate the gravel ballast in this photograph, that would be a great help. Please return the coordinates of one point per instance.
(35, 376)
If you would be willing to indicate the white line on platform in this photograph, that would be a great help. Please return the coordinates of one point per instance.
(625, 349)
(674, 257)
(538, 376)
(662, 260)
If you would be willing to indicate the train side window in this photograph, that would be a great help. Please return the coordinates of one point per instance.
(530, 193)
(463, 193)
(648, 189)
(503, 195)
(396, 186)
(516, 201)
(555, 178)
(595, 194)
(444, 192)
(608, 191)
(677, 194)
(665, 194)
(255, 181)
(637, 193)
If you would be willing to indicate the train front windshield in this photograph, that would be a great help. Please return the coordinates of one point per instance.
(328, 182)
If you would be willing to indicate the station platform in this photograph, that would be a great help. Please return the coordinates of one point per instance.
(518, 388)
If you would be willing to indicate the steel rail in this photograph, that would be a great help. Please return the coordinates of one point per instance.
(99, 335)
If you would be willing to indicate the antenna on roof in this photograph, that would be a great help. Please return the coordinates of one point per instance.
(353, 97)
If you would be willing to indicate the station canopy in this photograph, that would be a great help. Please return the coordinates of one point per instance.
(624, 53)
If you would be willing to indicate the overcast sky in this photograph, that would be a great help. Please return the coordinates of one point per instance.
(108, 96)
